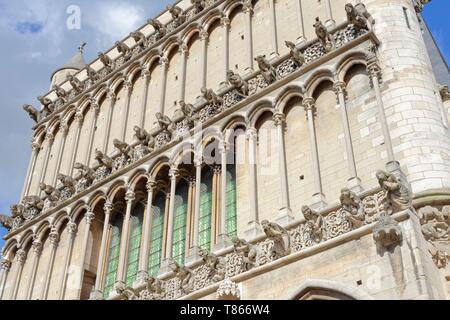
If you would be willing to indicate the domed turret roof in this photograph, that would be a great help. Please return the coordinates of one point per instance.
(77, 62)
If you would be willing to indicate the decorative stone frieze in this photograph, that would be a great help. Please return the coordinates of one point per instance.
(228, 291)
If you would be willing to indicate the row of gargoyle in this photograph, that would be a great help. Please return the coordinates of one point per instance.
(357, 16)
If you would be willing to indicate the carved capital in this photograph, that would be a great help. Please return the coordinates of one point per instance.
(163, 61)
(146, 74)
(224, 146)
(310, 105)
(37, 247)
(225, 21)
(130, 195)
(183, 48)
(128, 85)
(89, 217)
(111, 95)
(79, 118)
(21, 256)
(35, 146)
(279, 119)
(174, 173)
(5, 265)
(247, 7)
(95, 106)
(54, 237)
(339, 87)
(204, 35)
(108, 207)
(49, 137)
(151, 185)
(251, 134)
(64, 128)
(72, 228)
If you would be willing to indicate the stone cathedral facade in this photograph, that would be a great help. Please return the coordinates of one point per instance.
(254, 149)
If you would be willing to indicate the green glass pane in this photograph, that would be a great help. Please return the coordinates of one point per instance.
(204, 237)
(137, 217)
(157, 234)
(180, 219)
(113, 257)
(231, 212)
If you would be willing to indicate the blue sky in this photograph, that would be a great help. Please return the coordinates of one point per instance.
(35, 42)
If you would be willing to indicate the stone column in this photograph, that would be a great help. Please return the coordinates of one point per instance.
(184, 56)
(111, 101)
(254, 229)
(125, 238)
(88, 219)
(374, 71)
(96, 109)
(225, 21)
(173, 185)
(285, 215)
(248, 10)
(194, 251)
(98, 290)
(329, 23)
(147, 234)
(54, 242)
(21, 258)
(164, 62)
(146, 75)
(64, 129)
(318, 197)
(273, 28)
(223, 241)
(37, 251)
(301, 24)
(204, 37)
(50, 138)
(72, 229)
(354, 183)
(35, 147)
(79, 120)
(5, 267)
(129, 90)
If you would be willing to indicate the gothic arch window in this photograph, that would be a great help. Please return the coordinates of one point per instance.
(231, 212)
(156, 244)
(206, 209)
(114, 253)
(180, 222)
(137, 218)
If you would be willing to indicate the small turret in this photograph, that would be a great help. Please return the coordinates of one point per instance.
(74, 65)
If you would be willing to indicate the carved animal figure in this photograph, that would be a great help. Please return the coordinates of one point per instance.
(199, 5)
(358, 20)
(124, 148)
(267, 70)
(177, 14)
(139, 38)
(211, 97)
(67, 182)
(154, 286)
(85, 172)
(435, 226)
(106, 60)
(315, 220)
(352, 205)
(50, 193)
(324, 36)
(17, 210)
(297, 55)
(248, 251)
(60, 92)
(397, 191)
(103, 159)
(6, 222)
(185, 275)
(47, 104)
(163, 121)
(123, 48)
(76, 84)
(280, 237)
(126, 293)
(142, 135)
(216, 264)
(32, 112)
(158, 26)
(32, 202)
(238, 83)
(92, 74)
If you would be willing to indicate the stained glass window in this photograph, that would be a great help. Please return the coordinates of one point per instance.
(137, 218)
(179, 226)
(113, 257)
(156, 243)
(231, 217)
(204, 236)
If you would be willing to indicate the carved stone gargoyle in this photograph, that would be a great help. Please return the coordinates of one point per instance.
(47, 104)
(50, 193)
(238, 83)
(188, 112)
(139, 38)
(185, 275)
(280, 237)
(6, 222)
(248, 251)
(358, 16)
(324, 36)
(92, 74)
(103, 159)
(32, 112)
(297, 56)
(164, 123)
(67, 182)
(398, 192)
(85, 172)
(268, 71)
(199, 5)
(17, 210)
(32, 203)
(60, 92)
(76, 84)
(108, 63)
(217, 265)
(144, 138)
(387, 232)
(126, 293)
(211, 97)
(353, 208)
(178, 15)
(315, 221)
(123, 147)
(154, 289)
(159, 27)
(123, 49)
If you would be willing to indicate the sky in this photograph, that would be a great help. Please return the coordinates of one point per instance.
(35, 41)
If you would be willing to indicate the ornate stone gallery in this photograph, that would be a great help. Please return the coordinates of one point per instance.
(266, 149)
